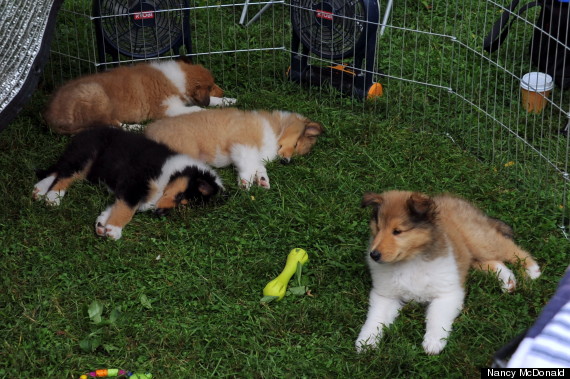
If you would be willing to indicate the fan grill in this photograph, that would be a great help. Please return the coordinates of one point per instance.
(331, 29)
(142, 29)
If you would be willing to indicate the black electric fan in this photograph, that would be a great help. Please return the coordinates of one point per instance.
(335, 30)
(141, 29)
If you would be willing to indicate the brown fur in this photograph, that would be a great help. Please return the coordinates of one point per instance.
(202, 134)
(121, 214)
(168, 198)
(405, 224)
(127, 94)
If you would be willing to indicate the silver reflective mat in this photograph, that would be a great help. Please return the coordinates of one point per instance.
(22, 27)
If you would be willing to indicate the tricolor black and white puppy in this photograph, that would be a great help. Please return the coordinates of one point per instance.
(143, 175)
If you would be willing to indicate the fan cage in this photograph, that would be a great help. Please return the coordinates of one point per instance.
(141, 29)
(330, 30)
(434, 71)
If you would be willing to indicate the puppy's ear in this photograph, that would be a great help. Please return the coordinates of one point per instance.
(206, 188)
(313, 129)
(371, 198)
(421, 208)
(216, 91)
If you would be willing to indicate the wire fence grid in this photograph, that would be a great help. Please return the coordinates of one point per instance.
(427, 55)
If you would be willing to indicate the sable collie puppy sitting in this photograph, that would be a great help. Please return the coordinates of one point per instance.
(142, 174)
(248, 139)
(421, 248)
(132, 94)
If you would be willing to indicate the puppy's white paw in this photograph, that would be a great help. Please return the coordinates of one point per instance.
(433, 345)
(533, 271)
(101, 222)
(244, 183)
(54, 197)
(103, 217)
(42, 187)
(132, 127)
(113, 232)
(100, 229)
(510, 285)
(228, 101)
(367, 341)
(262, 180)
(506, 277)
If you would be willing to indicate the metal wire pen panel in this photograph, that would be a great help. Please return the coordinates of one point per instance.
(419, 62)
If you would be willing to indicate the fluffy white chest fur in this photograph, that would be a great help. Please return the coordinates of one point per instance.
(436, 282)
(418, 280)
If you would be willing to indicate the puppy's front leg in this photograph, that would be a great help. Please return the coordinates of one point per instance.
(381, 313)
(261, 177)
(222, 101)
(174, 106)
(441, 313)
(112, 221)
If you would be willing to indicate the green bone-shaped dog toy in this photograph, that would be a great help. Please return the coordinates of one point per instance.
(278, 286)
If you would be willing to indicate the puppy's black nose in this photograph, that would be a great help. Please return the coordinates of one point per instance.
(285, 160)
(161, 211)
(376, 255)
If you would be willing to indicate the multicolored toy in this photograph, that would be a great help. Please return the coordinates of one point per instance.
(113, 372)
(278, 286)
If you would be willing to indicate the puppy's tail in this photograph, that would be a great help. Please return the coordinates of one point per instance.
(502, 227)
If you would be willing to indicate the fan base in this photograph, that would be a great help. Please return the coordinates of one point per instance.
(340, 77)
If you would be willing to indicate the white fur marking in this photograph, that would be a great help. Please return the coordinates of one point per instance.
(132, 127)
(172, 165)
(175, 107)
(436, 282)
(506, 277)
(54, 197)
(221, 159)
(248, 162)
(102, 221)
(173, 72)
(41, 187)
(533, 271)
(269, 145)
(222, 101)
(113, 232)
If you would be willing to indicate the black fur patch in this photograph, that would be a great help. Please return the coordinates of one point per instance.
(421, 209)
(126, 162)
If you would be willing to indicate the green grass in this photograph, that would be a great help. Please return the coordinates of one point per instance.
(181, 295)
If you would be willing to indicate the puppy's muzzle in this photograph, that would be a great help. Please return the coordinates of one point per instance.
(161, 211)
(376, 255)
(202, 102)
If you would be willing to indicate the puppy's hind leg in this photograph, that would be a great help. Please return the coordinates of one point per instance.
(53, 187)
(249, 166)
(504, 274)
(261, 177)
(517, 255)
(112, 220)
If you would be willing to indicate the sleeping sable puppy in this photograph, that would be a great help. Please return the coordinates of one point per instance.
(421, 249)
(132, 94)
(247, 139)
(143, 175)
